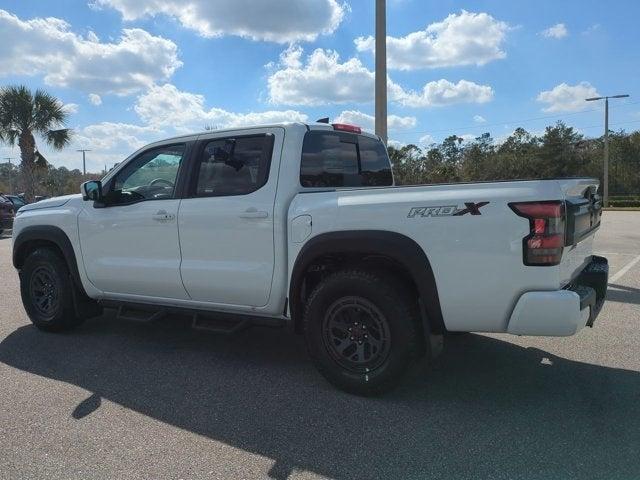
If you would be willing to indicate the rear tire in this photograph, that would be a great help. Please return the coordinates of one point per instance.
(46, 290)
(361, 330)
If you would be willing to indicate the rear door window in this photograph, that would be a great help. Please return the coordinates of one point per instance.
(335, 159)
(234, 166)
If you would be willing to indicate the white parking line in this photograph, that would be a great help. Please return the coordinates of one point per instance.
(624, 270)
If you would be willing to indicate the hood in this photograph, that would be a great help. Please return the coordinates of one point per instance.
(49, 203)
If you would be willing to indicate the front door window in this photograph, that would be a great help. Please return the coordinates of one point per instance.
(150, 176)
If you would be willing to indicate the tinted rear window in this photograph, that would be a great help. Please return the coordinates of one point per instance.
(332, 159)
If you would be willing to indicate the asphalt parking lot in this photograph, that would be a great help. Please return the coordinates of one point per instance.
(122, 400)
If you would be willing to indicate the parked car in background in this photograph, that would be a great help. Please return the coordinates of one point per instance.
(17, 201)
(7, 213)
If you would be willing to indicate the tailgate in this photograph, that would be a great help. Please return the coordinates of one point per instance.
(584, 214)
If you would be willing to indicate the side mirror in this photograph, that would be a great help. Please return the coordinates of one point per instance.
(92, 190)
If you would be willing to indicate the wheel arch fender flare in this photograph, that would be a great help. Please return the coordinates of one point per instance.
(396, 246)
(42, 235)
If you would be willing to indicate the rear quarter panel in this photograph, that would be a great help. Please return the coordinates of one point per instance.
(476, 259)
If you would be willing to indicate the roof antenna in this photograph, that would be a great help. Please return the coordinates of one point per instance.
(323, 120)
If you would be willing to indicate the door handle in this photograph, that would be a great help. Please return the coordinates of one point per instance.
(163, 216)
(254, 213)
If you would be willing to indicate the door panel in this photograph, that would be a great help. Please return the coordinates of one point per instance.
(226, 237)
(133, 249)
(130, 244)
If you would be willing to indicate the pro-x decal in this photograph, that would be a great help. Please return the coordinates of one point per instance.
(447, 210)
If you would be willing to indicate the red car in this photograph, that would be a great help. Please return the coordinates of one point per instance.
(7, 213)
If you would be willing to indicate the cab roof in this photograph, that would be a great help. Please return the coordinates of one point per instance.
(285, 125)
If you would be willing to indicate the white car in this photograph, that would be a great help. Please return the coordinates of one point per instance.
(300, 225)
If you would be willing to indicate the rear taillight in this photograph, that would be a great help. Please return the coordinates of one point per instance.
(545, 242)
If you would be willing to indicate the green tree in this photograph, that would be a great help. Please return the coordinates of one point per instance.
(8, 178)
(560, 152)
(23, 115)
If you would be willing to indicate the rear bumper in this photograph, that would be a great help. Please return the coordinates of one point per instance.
(563, 312)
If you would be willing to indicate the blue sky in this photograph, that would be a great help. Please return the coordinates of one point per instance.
(131, 71)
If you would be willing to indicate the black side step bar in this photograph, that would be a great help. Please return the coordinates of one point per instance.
(136, 315)
(218, 325)
(204, 320)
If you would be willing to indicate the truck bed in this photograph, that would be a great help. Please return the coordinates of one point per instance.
(476, 258)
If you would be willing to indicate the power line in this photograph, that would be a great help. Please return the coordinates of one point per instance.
(526, 120)
(575, 128)
(579, 142)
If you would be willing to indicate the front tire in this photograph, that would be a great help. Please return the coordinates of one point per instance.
(361, 330)
(46, 290)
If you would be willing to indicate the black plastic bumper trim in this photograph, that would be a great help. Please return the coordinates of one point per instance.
(591, 286)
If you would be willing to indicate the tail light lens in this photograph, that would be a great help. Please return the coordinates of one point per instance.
(545, 242)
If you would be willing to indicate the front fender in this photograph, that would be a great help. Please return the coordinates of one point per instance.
(40, 235)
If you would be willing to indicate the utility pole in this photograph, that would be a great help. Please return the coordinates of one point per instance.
(84, 160)
(381, 70)
(8, 159)
(605, 180)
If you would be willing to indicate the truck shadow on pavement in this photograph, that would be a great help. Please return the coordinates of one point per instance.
(485, 408)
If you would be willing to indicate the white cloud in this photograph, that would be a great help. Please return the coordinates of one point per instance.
(479, 119)
(592, 29)
(109, 143)
(443, 92)
(164, 111)
(460, 39)
(367, 122)
(426, 140)
(95, 99)
(292, 57)
(468, 137)
(323, 79)
(167, 106)
(396, 144)
(559, 30)
(120, 137)
(273, 20)
(567, 98)
(46, 46)
(71, 108)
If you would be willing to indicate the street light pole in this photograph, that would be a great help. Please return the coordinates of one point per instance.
(606, 153)
(605, 179)
(381, 70)
(84, 160)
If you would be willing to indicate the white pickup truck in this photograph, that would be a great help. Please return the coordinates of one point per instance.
(300, 225)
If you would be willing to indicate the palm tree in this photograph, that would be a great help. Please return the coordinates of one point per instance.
(23, 115)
